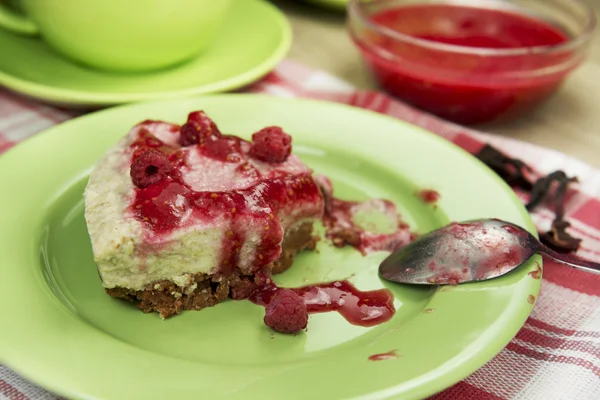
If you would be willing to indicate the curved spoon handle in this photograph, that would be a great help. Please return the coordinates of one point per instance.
(571, 261)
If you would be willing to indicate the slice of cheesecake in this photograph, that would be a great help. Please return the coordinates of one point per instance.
(183, 217)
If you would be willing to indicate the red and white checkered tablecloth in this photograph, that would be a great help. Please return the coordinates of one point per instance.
(556, 355)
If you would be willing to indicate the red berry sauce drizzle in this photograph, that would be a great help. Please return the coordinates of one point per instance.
(388, 355)
(172, 202)
(363, 308)
(165, 201)
(429, 196)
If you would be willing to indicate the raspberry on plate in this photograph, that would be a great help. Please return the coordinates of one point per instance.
(271, 144)
(149, 167)
(287, 312)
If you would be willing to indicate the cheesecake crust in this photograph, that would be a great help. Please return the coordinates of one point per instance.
(168, 299)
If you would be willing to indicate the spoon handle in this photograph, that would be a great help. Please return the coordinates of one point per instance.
(571, 261)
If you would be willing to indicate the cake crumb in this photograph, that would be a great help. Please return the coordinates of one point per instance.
(191, 289)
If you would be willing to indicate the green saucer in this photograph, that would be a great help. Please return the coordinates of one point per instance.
(62, 331)
(237, 58)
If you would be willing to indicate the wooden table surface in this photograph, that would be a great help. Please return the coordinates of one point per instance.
(569, 122)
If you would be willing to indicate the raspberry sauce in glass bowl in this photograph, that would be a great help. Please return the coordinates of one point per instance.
(471, 61)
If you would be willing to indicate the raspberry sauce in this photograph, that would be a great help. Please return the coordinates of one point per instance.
(429, 196)
(537, 274)
(172, 203)
(367, 308)
(464, 87)
(388, 355)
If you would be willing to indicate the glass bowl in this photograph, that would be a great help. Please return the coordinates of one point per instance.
(463, 77)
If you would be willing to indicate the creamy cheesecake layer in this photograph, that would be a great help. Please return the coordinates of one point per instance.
(132, 249)
(201, 291)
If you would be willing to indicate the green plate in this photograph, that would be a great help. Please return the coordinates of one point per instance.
(29, 66)
(62, 331)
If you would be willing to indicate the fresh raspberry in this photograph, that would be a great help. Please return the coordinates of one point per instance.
(286, 313)
(150, 167)
(271, 144)
(197, 128)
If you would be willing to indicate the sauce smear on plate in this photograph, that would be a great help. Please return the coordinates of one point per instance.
(367, 308)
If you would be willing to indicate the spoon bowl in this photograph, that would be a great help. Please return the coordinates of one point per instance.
(469, 251)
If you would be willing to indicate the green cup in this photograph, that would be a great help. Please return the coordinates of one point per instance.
(120, 35)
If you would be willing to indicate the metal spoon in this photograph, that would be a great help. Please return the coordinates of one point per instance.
(467, 252)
